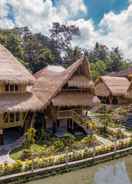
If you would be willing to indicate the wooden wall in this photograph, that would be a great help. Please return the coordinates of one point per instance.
(9, 124)
(21, 88)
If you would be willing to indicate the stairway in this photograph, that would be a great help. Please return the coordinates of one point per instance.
(80, 121)
(76, 117)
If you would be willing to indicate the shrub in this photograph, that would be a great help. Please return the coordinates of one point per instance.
(58, 145)
(26, 154)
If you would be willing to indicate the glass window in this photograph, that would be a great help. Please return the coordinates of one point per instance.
(7, 87)
(16, 87)
(17, 116)
(12, 117)
(6, 117)
(11, 87)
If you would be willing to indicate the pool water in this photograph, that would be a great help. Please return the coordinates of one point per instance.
(114, 172)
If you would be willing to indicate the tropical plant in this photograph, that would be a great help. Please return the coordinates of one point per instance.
(68, 139)
(29, 138)
(59, 145)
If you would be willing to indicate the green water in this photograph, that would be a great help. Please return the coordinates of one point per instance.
(114, 172)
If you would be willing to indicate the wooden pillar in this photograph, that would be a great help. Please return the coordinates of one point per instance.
(110, 100)
(33, 119)
(1, 137)
(44, 124)
(54, 127)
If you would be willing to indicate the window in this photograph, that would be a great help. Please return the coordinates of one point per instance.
(17, 116)
(16, 87)
(5, 117)
(11, 87)
(11, 117)
(7, 87)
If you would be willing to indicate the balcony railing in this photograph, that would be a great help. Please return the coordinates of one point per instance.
(4, 125)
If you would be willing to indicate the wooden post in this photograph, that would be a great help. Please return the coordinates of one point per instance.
(110, 100)
(33, 119)
(1, 137)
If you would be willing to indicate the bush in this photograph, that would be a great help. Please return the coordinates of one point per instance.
(58, 145)
(26, 154)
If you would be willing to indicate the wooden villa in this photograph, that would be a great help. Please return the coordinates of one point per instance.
(127, 73)
(17, 103)
(129, 92)
(65, 94)
(112, 90)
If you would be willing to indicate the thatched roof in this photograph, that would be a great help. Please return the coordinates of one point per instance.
(129, 92)
(49, 70)
(117, 86)
(19, 103)
(49, 84)
(12, 71)
(123, 73)
(80, 81)
(75, 99)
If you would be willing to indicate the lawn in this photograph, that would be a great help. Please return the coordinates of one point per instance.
(35, 148)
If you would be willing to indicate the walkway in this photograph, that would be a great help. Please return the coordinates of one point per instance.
(6, 149)
(103, 140)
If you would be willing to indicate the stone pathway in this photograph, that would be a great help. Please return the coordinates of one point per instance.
(103, 140)
(6, 149)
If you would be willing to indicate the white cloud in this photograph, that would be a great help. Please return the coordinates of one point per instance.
(113, 30)
(39, 14)
(72, 8)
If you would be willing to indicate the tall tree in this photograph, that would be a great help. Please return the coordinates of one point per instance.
(61, 35)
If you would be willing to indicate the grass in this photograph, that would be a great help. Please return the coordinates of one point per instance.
(35, 148)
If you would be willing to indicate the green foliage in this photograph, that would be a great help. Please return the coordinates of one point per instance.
(89, 140)
(36, 51)
(59, 145)
(68, 139)
(105, 60)
(42, 136)
(29, 138)
(98, 68)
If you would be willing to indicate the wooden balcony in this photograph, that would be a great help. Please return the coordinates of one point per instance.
(67, 114)
(4, 125)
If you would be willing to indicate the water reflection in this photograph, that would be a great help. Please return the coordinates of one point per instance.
(113, 174)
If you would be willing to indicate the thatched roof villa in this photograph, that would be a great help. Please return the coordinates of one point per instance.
(112, 90)
(127, 73)
(64, 92)
(16, 101)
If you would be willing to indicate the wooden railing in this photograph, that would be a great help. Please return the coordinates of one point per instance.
(75, 116)
(10, 125)
(67, 113)
(64, 114)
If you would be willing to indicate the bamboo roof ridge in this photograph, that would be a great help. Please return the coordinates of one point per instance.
(12, 71)
(49, 84)
(117, 86)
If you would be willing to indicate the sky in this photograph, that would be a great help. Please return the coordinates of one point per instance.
(106, 21)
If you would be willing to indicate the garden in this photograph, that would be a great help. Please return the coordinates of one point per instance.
(43, 149)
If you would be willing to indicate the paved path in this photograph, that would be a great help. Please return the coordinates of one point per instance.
(103, 140)
(6, 149)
